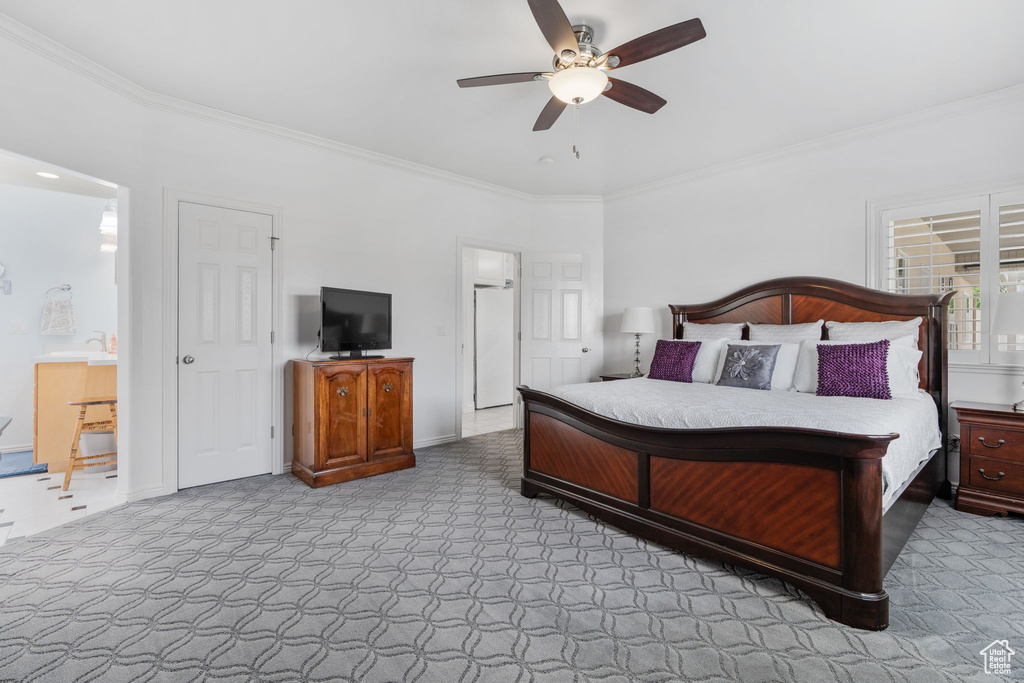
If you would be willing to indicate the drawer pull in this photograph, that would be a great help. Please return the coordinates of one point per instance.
(1001, 475)
(388, 386)
(988, 445)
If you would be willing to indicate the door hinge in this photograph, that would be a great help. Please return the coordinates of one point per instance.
(273, 243)
(271, 431)
(520, 335)
(271, 336)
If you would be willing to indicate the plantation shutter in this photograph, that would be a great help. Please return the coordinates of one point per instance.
(1008, 209)
(940, 248)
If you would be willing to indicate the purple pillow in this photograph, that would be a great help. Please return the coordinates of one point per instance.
(857, 370)
(673, 360)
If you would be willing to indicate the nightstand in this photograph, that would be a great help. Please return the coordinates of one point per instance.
(611, 377)
(991, 458)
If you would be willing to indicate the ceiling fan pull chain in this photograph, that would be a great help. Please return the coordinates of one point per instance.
(575, 131)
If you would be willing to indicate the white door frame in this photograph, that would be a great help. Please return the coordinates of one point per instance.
(463, 243)
(172, 197)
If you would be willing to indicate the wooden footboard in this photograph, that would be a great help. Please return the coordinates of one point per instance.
(802, 505)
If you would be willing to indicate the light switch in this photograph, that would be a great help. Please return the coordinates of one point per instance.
(441, 331)
(5, 286)
(19, 327)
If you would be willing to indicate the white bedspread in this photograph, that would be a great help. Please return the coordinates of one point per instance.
(679, 405)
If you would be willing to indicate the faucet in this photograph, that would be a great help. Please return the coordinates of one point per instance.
(102, 339)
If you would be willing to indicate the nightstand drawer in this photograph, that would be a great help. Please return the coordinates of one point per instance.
(996, 475)
(993, 442)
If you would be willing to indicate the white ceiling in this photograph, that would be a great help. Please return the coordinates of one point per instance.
(380, 75)
(20, 171)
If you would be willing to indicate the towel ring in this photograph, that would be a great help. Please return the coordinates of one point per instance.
(60, 288)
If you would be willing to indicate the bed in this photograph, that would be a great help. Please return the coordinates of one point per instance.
(804, 505)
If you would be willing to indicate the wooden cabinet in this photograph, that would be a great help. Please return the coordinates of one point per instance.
(55, 385)
(991, 458)
(353, 419)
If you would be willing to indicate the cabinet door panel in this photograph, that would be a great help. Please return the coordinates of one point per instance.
(342, 398)
(390, 402)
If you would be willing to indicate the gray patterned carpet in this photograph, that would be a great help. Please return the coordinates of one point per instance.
(445, 573)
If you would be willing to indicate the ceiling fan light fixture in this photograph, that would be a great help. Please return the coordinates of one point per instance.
(578, 84)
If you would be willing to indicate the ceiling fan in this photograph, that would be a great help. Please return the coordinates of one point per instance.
(580, 68)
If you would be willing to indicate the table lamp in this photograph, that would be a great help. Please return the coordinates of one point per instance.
(1008, 319)
(637, 321)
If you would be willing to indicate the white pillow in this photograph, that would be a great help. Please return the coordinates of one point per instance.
(707, 358)
(901, 366)
(872, 332)
(775, 334)
(698, 331)
(785, 362)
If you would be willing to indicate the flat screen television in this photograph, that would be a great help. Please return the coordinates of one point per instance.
(354, 321)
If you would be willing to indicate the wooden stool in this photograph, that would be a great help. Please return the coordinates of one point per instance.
(76, 461)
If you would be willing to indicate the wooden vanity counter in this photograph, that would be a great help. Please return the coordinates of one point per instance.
(55, 385)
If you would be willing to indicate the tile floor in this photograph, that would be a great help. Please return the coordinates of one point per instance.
(487, 420)
(31, 503)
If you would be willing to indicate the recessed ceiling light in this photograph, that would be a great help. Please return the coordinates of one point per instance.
(45, 174)
(546, 161)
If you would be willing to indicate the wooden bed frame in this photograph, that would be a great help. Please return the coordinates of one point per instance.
(800, 504)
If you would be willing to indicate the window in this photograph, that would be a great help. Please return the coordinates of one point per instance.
(973, 247)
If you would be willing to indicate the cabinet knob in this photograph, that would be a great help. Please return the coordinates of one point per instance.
(388, 386)
(995, 478)
(342, 391)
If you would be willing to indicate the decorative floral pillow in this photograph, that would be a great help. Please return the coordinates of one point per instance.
(673, 360)
(749, 366)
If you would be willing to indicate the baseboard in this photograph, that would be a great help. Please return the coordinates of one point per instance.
(142, 494)
(435, 442)
(15, 449)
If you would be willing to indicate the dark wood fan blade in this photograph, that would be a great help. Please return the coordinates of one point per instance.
(500, 79)
(552, 110)
(658, 42)
(634, 96)
(554, 25)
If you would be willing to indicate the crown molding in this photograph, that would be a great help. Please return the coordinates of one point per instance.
(996, 98)
(46, 47)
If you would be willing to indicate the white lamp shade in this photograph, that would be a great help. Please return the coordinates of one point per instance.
(1009, 314)
(581, 82)
(638, 320)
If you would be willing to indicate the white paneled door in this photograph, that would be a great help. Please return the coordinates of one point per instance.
(224, 344)
(495, 347)
(555, 323)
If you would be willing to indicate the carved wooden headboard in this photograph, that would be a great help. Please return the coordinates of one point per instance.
(806, 299)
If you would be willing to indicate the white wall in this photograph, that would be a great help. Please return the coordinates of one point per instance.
(348, 222)
(797, 214)
(48, 239)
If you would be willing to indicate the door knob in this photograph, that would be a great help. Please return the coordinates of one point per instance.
(586, 349)
(188, 360)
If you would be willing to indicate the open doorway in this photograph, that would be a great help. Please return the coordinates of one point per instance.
(489, 330)
(59, 308)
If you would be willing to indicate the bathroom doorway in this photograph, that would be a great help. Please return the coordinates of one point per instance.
(59, 305)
